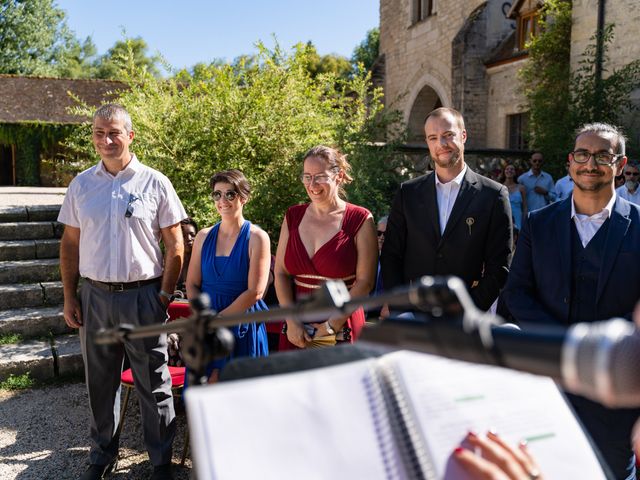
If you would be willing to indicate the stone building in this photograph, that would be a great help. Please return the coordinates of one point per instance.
(33, 109)
(466, 54)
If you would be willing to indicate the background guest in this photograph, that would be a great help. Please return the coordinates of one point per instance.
(539, 184)
(564, 186)
(629, 191)
(327, 238)
(189, 229)
(233, 258)
(517, 195)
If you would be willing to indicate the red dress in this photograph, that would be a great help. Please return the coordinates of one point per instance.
(336, 259)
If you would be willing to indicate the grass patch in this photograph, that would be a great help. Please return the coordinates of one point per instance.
(9, 338)
(17, 382)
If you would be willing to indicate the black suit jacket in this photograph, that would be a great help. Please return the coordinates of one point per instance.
(479, 253)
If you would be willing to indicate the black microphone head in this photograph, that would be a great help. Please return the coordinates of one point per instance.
(200, 303)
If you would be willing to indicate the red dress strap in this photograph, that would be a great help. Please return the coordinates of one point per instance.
(294, 215)
(354, 217)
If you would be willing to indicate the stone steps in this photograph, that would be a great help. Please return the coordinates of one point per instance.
(30, 295)
(42, 359)
(32, 322)
(29, 249)
(30, 230)
(32, 213)
(30, 271)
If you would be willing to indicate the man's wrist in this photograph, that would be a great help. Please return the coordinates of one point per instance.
(169, 296)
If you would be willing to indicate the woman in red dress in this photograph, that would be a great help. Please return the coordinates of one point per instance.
(327, 238)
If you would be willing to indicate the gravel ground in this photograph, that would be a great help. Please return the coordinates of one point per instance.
(44, 435)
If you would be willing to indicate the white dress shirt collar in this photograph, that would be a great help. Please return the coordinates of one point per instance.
(133, 166)
(588, 225)
(446, 195)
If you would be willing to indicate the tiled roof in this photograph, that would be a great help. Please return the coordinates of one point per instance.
(40, 99)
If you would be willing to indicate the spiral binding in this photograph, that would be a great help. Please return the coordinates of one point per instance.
(384, 433)
(406, 432)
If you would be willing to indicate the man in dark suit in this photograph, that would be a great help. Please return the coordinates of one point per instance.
(451, 221)
(577, 261)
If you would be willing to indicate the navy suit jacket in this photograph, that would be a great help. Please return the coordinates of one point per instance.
(538, 291)
(479, 253)
(539, 285)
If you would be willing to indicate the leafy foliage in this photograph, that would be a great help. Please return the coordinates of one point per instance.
(367, 52)
(259, 116)
(546, 80)
(34, 36)
(17, 382)
(560, 100)
(114, 61)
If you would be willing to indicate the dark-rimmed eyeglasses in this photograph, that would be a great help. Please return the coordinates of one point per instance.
(381, 233)
(601, 158)
(631, 174)
(129, 211)
(229, 195)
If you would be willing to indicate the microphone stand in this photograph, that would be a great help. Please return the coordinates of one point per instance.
(205, 336)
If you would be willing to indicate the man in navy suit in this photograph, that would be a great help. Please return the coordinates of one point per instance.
(451, 221)
(577, 261)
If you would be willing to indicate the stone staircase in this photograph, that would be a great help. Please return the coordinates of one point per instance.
(31, 296)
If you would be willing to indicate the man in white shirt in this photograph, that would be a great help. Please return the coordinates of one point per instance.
(538, 184)
(577, 261)
(629, 191)
(115, 214)
(451, 221)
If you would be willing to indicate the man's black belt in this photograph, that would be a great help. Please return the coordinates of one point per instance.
(121, 287)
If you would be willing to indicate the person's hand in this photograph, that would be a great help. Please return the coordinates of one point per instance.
(164, 300)
(296, 334)
(322, 327)
(497, 460)
(540, 190)
(72, 313)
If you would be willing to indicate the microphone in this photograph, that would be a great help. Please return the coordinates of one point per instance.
(597, 360)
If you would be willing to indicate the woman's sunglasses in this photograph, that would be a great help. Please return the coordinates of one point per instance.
(230, 195)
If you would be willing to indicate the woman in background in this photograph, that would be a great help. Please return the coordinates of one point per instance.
(517, 195)
(230, 262)
(327, 238)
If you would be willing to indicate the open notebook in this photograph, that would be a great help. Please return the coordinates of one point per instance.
(394, 417)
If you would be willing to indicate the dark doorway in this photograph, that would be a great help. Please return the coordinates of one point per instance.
(6, 165)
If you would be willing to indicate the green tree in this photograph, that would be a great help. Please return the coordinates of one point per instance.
(34, 37)
(123, 53)
(546, 81)
(560, 100)
(261, 120)
(367, 51)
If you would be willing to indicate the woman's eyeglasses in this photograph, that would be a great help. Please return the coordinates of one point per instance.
(320, 178)
(230, 195)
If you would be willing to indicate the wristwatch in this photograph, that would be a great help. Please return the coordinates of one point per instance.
(167, 295)
(330, 329)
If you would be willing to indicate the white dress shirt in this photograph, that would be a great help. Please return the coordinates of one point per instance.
(588, 225)
(446, 194)
(624, 192)
(114, 248)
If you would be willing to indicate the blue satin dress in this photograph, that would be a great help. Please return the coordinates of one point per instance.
(224, 279)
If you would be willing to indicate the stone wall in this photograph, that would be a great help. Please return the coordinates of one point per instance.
(504, 99)
(422, 55)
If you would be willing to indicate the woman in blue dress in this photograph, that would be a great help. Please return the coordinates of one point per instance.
(234, 258)
(517, 196)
